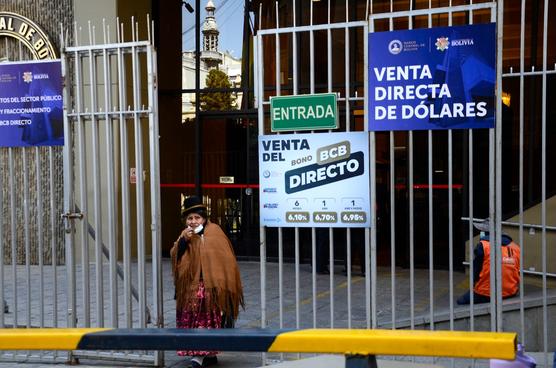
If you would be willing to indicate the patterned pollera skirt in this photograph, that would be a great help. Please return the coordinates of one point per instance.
(193, 316)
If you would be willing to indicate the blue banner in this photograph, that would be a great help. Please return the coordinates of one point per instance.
(31, 106)
(434, 78)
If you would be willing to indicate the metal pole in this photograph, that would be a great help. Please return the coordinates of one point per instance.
(198, 135)
(361, 361)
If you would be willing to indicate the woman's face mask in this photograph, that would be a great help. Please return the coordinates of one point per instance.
(482, 234)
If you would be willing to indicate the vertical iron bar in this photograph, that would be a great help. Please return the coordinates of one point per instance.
(262, 252)
(297, 283)
(40, 234)
(392, 229)
(411, 235)
(260, 110)
(331, 276)
(311, 53)
(96, 188)
(139, 197)
(125, 201)
(348, 274)
(155, 196)
(370, 254)
(68, 200)
(53, 252)
(451, 226)
(281, 275)
(314, 274)
(26, 235)
(294, 53)
(347, 70)
(470, 236)
(498, 158)
(198, 127)
(13, 233)
(521, 172)
(277, 54)
(431, 229)
(83, 191)
(543, 183)
(411, 213)
(111, 188)
(431, 213)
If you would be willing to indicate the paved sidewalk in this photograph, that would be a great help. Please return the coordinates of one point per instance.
(345, 312)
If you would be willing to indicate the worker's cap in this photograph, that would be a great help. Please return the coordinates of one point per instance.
(482, 225)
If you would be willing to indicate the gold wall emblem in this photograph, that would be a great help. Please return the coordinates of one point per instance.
(29, 33)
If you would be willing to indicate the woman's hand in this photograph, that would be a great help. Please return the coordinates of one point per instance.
(186, 233)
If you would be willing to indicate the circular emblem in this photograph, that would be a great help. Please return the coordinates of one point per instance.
(395, 47)
(29, 33)
(266, 174)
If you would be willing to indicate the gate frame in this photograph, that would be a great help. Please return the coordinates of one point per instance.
(72, 211)
(495, 147)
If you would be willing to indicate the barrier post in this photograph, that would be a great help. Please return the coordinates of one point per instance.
(361, 361)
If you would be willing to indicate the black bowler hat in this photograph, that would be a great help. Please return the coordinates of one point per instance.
(193, 204)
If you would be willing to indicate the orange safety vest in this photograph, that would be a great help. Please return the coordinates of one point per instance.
(511, 255)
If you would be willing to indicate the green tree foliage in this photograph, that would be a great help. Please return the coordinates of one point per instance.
(217, 100)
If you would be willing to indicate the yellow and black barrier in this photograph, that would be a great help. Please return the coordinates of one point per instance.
(351, 342)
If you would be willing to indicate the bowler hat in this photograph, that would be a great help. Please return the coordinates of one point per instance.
(192, 204)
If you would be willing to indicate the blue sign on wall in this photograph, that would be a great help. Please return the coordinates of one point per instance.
(31, 107)
(435, 78)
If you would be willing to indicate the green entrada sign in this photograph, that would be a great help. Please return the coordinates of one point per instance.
(303, 112)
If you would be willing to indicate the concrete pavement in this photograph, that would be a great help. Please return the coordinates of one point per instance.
(326, 304)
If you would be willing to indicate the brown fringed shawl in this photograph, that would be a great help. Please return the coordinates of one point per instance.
(212, 256)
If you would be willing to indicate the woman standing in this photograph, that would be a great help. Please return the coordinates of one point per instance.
(206, 277)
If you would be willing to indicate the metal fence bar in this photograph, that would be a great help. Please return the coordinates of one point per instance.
(139, 194)
(348, 274)
(393, 229)
(53, 253)
(331, 276)
(347, 70)
(314, 274)
(521, 170)
(26, 235)
(68, 202)
(498, 165)
(430, 226)
(111, 188)
(543, 184)
(259, 96)
(470, 234)
(281, 276)
(297, 282)
(370, 254)
(277, 54)
(97, 207)
(40, 232)
(83, 190)
(124, 183)
(156, 231)
(13, 234)
(295, 68)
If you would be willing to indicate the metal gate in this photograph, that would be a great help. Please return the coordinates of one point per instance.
(80, 226)
(405, 287)
(111, 175)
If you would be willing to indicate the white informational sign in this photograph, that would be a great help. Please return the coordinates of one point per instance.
(314, 180)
